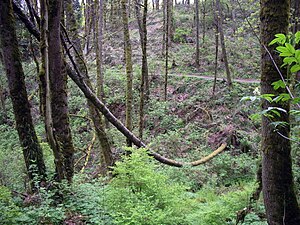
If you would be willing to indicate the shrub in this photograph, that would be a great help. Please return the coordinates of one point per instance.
(9, 211)
(140, 194)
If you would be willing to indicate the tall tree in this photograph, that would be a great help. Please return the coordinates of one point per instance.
(279, 197)
(128, 61)
(32, 151)
(222, 40)
(167, 40)
(142, 23)
(72, 25)
(58, 86)
(197, 32)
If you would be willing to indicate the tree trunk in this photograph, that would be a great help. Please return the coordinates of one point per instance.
(144, 79)
(222, 39)
(203, 21)
(279, 197)
(128, 61)
(167, 21)
(58, 86)
(106, 155)
(32, 151)
(216, 51)
(100, 124)
(197, 32)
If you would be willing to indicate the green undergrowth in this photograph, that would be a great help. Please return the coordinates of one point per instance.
(140, 192)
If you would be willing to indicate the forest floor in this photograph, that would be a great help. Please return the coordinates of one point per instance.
(189, 125)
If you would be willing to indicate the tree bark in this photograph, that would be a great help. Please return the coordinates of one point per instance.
(222, 39)
(279, 197)
(197, 32)
(32, 151)
(145, 78)
(128, 61)
(58, 86)
(167, 41)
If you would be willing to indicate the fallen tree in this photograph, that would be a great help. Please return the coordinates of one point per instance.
(75, 75)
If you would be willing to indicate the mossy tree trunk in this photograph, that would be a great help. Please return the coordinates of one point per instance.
(128, 62)
(279, 197)
(72, 25)
(58, 86)
(222, 40)
(102, 136)
(32, 151)
(144, 86)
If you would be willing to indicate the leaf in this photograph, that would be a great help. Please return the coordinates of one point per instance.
(282, 97)
(296, 100)
(249, 98)
(297, 37)
(289, 60)
(267, 97)
(280, 38)
(278, 84)
(290, 48)
(295, 68)
(297, 55)
(255, 116)
(295, 112)
(282, 49)
(279, 124)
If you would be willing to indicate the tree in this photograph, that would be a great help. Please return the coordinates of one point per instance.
(279, 197)
(128, 61)
(197, 32)
(59, 99)
(142, 23)
(222, 40)
(106, 154)
(32, 151)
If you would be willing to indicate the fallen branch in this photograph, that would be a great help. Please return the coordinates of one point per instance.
(79, 81)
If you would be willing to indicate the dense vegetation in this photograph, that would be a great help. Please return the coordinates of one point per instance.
(191, 124)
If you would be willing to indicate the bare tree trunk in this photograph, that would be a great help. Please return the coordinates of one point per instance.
(203, 20)
(233, 15)
(197, 33)
(157, 4)
(222, 39)
(128, 53)
(32, 151)
(217, 51)
(278, 191)
(167, 50)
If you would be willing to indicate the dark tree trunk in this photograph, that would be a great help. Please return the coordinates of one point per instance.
(279, 197)
(58, 86)
(31, 149)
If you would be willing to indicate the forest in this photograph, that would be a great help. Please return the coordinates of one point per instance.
(137, 112)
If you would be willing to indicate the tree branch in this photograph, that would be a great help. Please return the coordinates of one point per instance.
(79, 81)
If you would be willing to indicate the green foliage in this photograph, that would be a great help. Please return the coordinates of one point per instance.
(44, 209)
(8, 210)
(181, 35)
(139, 194)
(88, 200)
(215, 208)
